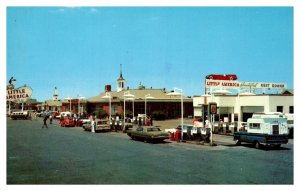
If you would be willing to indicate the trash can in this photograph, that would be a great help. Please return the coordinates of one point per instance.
(172, 138)
(178, 135)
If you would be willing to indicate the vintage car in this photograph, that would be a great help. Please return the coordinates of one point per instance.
(101, 125)
(221, 77)
(19, 115)
(67, 122)
(55, 114)
(82, 121)
(64, 114)
(87, 125)
(148, 134)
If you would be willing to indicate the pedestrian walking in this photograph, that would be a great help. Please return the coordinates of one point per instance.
(34, 115)
(45, 122)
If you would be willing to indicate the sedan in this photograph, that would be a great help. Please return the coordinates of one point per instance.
(67, 122)
(148, 134)
(101, 125)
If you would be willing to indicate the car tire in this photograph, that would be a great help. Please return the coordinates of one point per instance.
(237, 142)
(277, 146)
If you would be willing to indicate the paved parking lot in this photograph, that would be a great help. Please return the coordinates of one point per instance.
(72, 156)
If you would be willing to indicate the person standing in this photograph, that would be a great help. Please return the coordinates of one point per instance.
(34, 115)
(45, 121)
(50, 119)
(151, 120)
(93, 119)
(147, 122)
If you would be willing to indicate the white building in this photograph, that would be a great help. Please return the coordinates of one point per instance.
(245, 105)
(241, 106)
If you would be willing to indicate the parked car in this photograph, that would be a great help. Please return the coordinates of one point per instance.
(67, 122)
(81, 121)
(148, 134)
(87, 126)
(64, 114)
(19, 115)
(39, 113)
(43, 113)
(101, 125)
(221, 77)
(118, 125)
(55, 114)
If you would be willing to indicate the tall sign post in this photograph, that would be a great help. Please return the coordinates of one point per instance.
(20, 94)
(212, 110)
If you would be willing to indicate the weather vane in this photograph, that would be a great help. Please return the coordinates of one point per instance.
(11, 83)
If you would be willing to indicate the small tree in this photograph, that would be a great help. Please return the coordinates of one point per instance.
(159, 115)
(127, 114)
(101, 114)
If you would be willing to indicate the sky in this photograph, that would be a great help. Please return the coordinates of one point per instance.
(79, 49)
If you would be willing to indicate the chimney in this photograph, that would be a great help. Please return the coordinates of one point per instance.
(107, 88)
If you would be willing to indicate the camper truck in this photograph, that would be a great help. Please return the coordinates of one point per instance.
(264, 129)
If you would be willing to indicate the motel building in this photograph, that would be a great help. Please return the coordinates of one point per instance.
(237, 101)
(140, 100)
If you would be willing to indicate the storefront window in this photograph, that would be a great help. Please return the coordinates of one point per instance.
(291, 109)
(279, 108)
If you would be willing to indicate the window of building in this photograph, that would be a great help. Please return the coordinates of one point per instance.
(140, 108)
(291, 110)
(254, 125)
(279, 109)
(114, 109)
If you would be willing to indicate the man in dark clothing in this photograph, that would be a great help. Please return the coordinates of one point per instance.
(45, 121)
(151, 120)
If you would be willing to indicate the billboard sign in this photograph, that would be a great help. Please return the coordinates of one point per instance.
(20, 94)
(226, 84)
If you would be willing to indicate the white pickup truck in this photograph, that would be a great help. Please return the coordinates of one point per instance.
(264, 129)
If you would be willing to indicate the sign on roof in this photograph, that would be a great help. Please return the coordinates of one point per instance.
(225, 84)
(20, 94)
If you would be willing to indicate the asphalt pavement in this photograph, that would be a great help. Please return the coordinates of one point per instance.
(73, 156)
